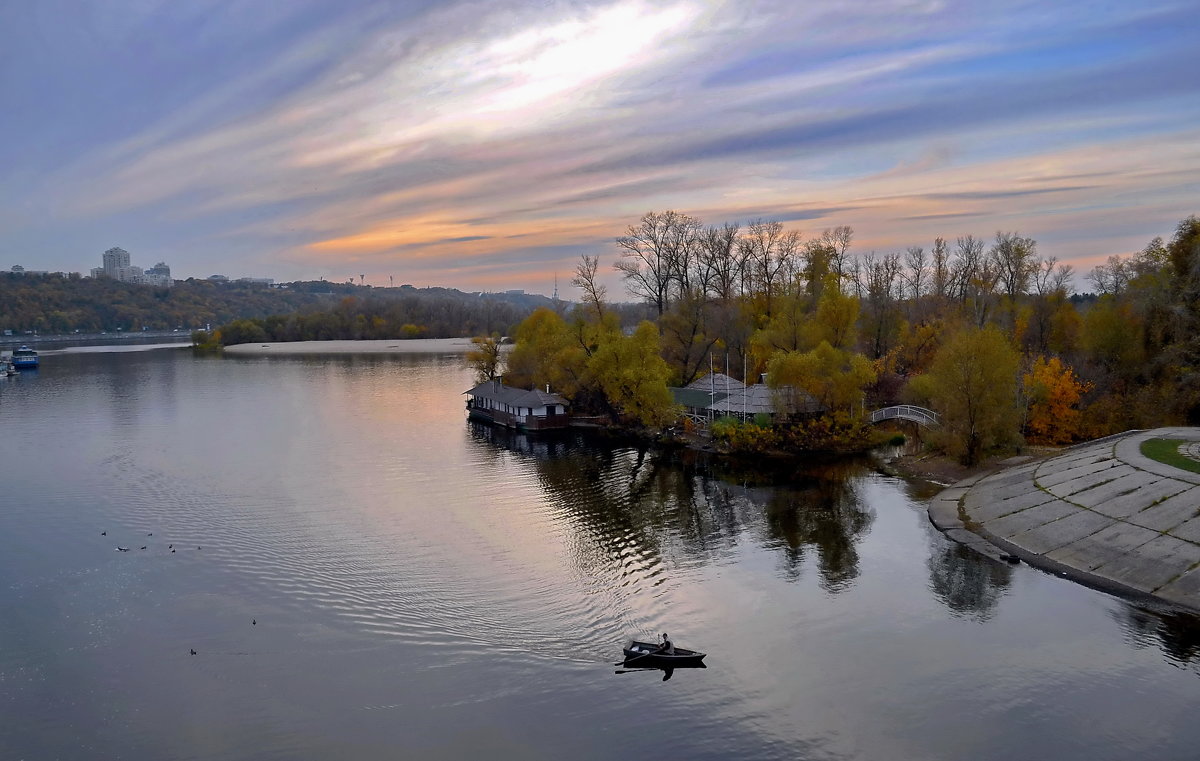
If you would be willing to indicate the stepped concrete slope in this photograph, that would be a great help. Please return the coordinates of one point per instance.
(1102, 513)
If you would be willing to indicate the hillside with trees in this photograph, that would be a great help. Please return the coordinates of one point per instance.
(373, 316)
(59, 303)
(985, 332)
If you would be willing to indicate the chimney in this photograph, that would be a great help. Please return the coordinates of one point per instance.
(496, 382)
(547, 388)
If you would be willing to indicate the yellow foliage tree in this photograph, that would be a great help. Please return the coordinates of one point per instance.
(546, 351)
(837, 315)
(835, 378)
(972, 382)
(484, 359)
(1053, 392)
(632, 374)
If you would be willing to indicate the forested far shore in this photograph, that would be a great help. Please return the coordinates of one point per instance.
(58, 303)
(984, 332)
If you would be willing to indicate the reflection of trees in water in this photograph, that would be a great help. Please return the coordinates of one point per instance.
(968, 583)
(823, 514)
(1176, 633)
(637, 507)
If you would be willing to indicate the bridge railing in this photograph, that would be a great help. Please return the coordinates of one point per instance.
(918, 415)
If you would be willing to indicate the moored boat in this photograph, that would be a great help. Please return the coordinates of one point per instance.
(646, 654)
(25, 358)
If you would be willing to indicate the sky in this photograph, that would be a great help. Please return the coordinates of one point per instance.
(488, 145)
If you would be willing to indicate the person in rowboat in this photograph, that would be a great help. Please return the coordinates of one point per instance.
(666, 648)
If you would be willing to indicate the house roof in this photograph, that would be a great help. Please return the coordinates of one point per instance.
(755, 399)
(720, 381)
(760, 398)
(695, 397)
(515, 397)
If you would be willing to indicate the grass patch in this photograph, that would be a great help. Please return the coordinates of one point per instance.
(1166, 451)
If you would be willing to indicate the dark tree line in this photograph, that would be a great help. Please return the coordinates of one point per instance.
(66, 303)
(413, 315)
(299, 311)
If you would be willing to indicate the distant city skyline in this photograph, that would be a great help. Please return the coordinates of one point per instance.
(487, 146)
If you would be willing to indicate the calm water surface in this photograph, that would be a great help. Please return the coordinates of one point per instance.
(426, 588)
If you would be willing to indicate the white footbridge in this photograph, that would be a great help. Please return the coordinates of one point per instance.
(910, 412)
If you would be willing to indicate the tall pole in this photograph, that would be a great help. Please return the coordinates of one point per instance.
(744, 384)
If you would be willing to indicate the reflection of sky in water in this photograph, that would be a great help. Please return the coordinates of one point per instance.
(412, 575)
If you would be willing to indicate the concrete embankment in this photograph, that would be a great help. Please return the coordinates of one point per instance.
(1102, 513)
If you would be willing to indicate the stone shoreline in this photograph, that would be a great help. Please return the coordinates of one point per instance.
(1101, 513)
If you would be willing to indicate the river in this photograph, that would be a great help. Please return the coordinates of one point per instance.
(364, 574)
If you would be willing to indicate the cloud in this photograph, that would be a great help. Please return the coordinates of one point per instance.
(466, 133)
(990, 195)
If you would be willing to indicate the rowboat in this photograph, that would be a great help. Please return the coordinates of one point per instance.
(646, 654)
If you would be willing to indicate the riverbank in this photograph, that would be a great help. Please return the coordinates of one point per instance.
(933, 467)
(1101, 513)
(391, 346)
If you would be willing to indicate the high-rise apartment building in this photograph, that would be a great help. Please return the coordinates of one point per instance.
(117, 267)
(114, 260)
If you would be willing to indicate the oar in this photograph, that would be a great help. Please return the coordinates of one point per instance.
(632, 671)
(635, 658)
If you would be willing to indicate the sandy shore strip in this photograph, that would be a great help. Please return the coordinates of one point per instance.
(392, 346)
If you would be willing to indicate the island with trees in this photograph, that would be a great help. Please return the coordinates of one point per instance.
(986, 333)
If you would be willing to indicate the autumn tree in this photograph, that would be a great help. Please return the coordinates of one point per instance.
(1050, 281)
(546, 351)
(837, 316)
(688, 334)
(1052, 393)
(484, 359)
(972, 384)
(1111, 337)
(833, 377)
(1183, 253)
(789, 328)
(633, 377)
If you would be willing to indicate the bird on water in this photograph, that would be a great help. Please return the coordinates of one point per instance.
(193, 650)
